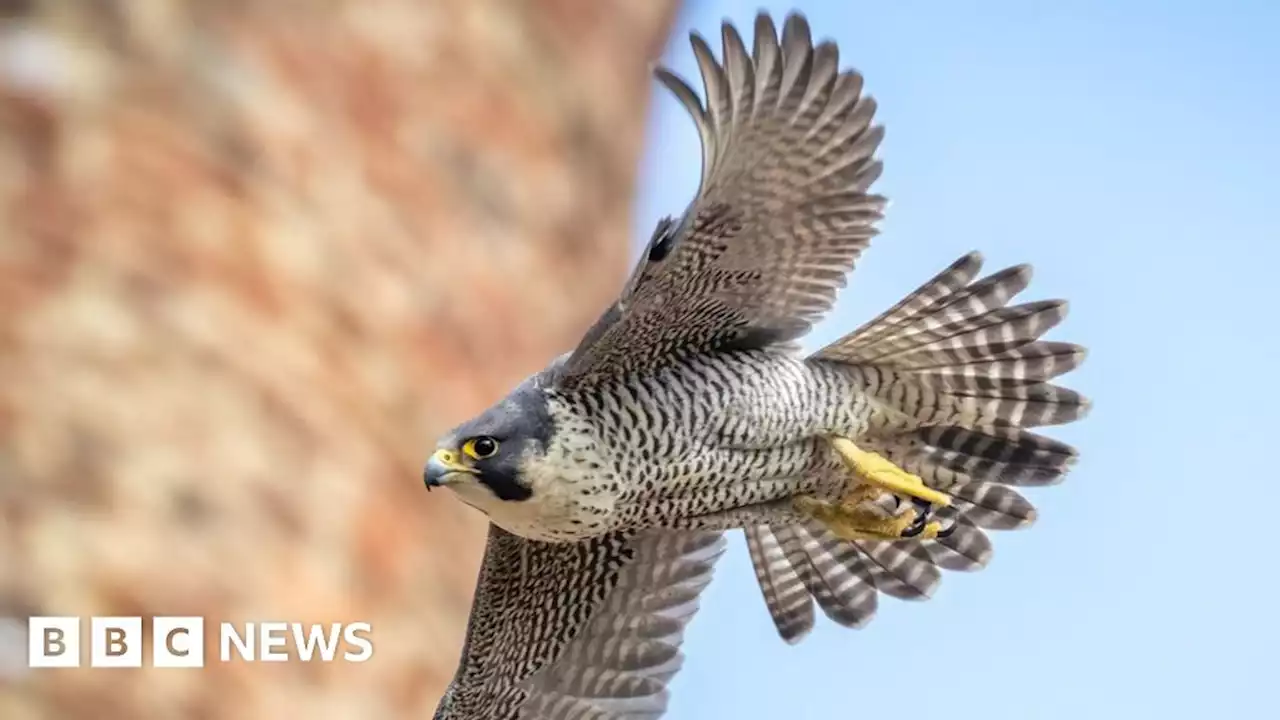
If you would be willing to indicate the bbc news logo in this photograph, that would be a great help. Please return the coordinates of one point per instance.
(179, 642)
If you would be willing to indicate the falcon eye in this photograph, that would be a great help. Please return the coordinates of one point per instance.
(481, 447)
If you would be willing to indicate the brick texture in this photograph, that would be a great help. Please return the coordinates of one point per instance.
(254, 256)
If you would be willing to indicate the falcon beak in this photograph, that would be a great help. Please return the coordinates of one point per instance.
(444, 468)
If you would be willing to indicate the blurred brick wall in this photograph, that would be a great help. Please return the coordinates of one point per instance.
(254, 256)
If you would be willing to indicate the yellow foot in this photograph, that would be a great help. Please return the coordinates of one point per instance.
(847, 520)
(877, 471)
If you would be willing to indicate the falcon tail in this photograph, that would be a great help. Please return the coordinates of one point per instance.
(963, 374)
(796, 565)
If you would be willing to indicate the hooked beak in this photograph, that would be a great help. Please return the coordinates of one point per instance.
(444, 468)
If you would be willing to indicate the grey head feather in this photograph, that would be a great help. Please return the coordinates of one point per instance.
(519, 422)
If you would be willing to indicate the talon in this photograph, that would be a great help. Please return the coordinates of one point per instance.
(924, 521)
(876, 470)
(847, 520)
(932, 531)
(922, 528)
(917, 526)
(851, 519)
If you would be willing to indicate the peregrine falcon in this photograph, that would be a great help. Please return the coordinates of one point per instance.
(688, 409)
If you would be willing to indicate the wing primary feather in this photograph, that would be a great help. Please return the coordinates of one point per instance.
(797, 58)
(738, 70)
(768, 61)
(781, 216)
(718, 108)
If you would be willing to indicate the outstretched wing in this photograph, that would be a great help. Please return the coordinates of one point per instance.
(589, 629)
(781, 215)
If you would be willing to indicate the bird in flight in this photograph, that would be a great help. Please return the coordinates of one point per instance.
(688, 410)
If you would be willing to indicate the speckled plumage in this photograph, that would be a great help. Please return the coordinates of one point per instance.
(588, 630)
(688, 410)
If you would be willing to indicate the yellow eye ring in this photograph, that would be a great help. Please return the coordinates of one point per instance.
(480, 448)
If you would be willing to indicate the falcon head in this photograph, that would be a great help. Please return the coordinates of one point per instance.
(486, 459)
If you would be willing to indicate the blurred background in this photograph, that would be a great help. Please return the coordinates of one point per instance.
(254, 256)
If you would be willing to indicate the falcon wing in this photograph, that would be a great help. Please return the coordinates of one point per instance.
(781, 215)
(587, 629)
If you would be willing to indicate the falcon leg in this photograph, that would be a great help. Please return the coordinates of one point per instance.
(850, 519)
(850, 522)
(876, 470)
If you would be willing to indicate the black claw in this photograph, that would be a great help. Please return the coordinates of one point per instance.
(917, 526)
(944, 534)
(924, 513)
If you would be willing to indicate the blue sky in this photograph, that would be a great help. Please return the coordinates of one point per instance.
(1129, 152)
